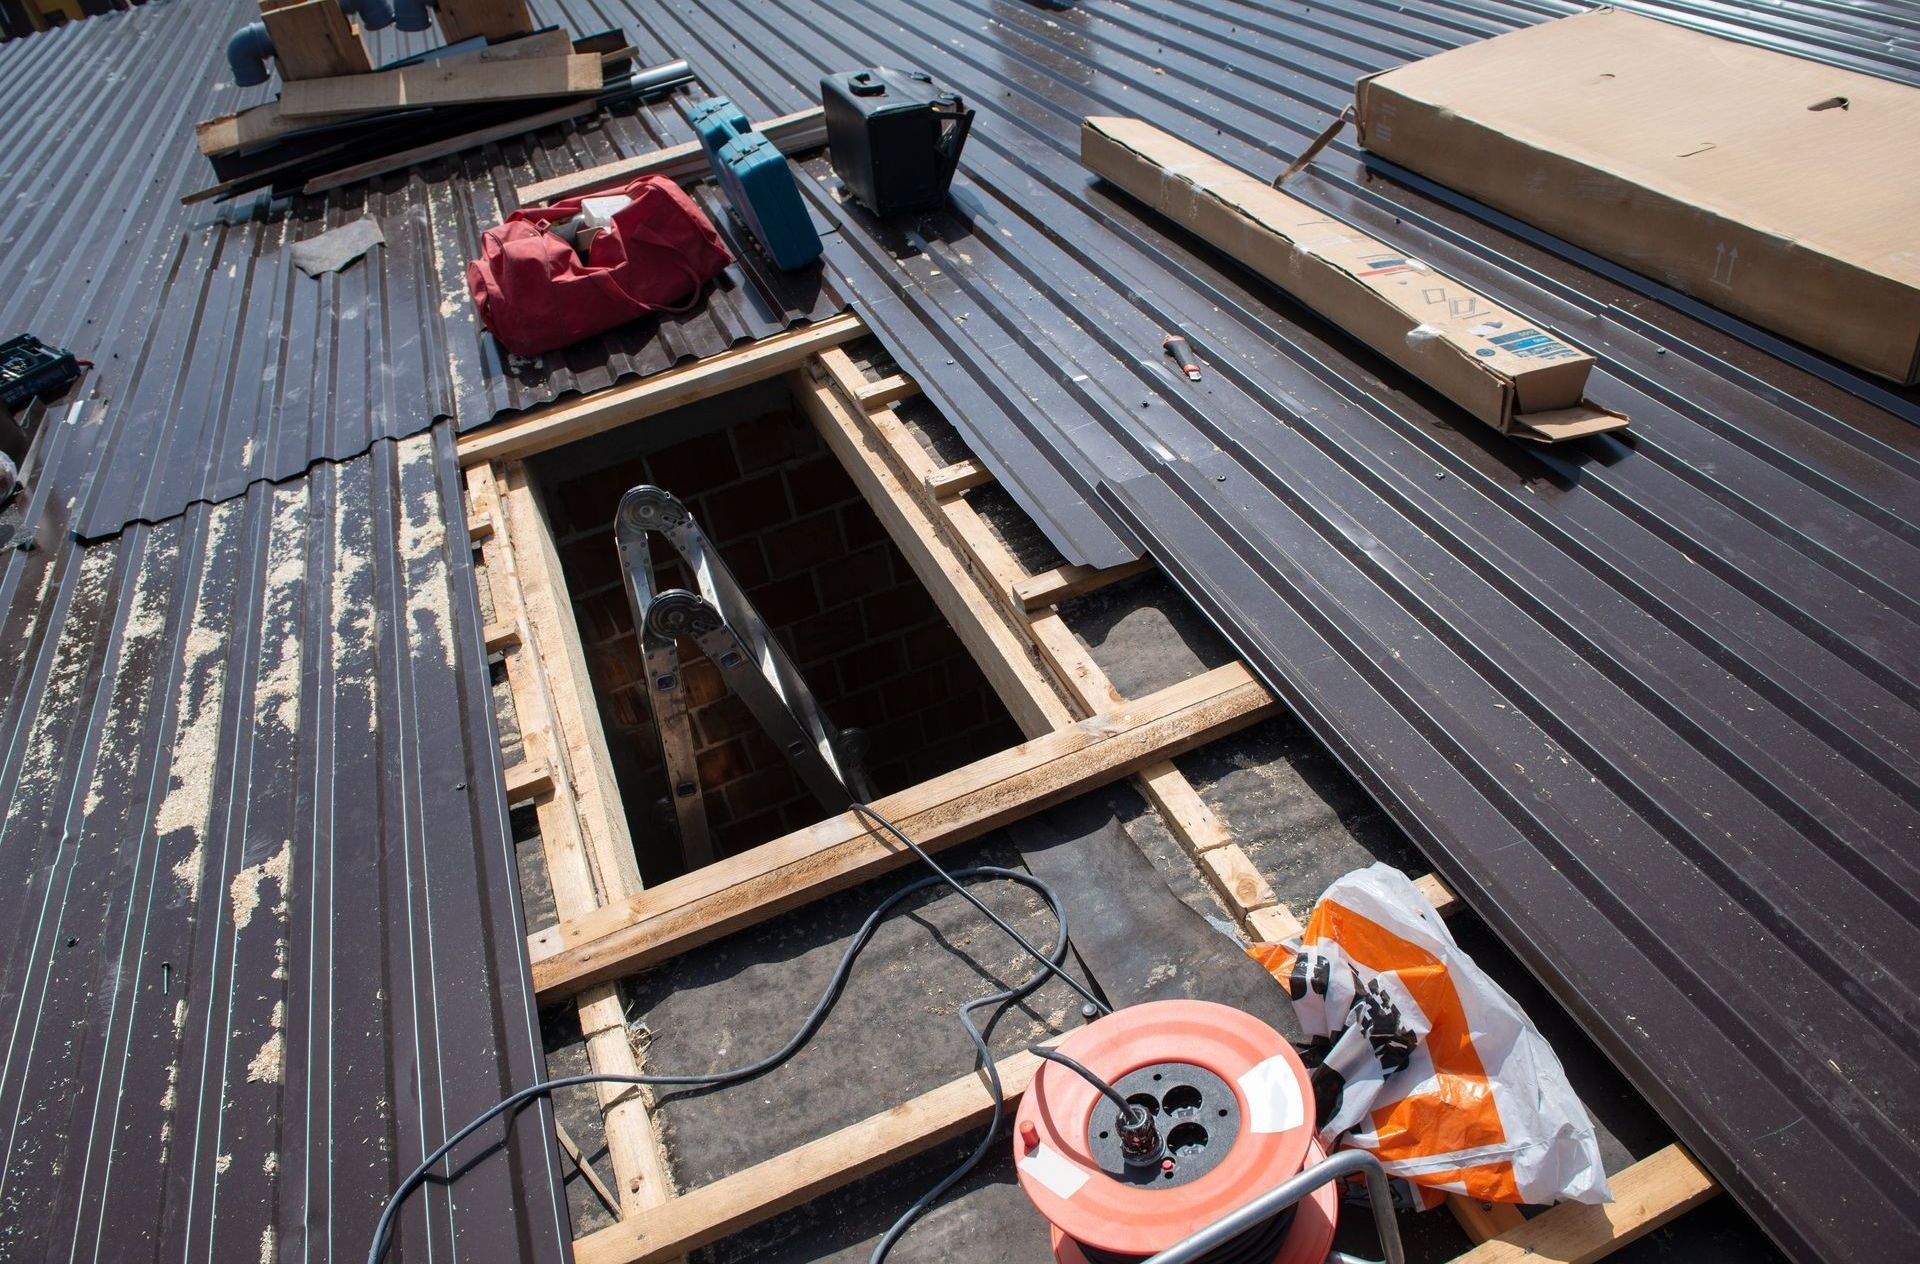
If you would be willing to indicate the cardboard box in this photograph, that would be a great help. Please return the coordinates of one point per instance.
(1507, 370)
(1784, 191)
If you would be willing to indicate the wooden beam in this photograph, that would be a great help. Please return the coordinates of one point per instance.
(583, 829)
(962, 476)
(705, 1215)
(452, 145)
(1645, 1196)
(464, 19)
(888, 390)
(1064, 583)
(993, 573)
(410, 87)
(255, 128)
(554, 425)
(794, 133)
(1439, 894)
(841, 851)
(500, 637)
(1484, 1221)
(528, 780)
(1015, 673)
(313, 39)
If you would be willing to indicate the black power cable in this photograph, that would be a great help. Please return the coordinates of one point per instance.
(1051, 963)
(1132, 1114)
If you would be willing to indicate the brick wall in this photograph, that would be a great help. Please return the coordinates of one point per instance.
(872, 645)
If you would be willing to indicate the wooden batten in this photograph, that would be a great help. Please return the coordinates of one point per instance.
(555, 425)
(495, 19)
(798, 868)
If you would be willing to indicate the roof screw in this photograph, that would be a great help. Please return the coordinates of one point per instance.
(459, 785)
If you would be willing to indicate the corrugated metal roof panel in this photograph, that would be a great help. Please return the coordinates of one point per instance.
(1652, 704)
(217, 363)
(260, 942)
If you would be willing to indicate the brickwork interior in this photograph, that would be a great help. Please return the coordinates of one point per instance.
(788, 521)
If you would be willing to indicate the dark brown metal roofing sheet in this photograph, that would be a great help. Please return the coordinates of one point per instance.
(260, 942)
(216, 362)
(1651, 703)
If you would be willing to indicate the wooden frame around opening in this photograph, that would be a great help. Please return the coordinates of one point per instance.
(1080, 731)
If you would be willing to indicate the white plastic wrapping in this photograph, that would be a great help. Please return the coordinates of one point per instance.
(1430, 1064)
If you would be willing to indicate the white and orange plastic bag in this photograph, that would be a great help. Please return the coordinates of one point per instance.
(1427, 1062)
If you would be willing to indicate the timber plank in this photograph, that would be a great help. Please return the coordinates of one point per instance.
(562, 423)
(962, 476)
(709, 1213)
(1645, 1196)
(435, 84)
(1010, 667)
(1063, 583)
(839, 852)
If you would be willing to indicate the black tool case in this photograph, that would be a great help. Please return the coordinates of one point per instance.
(30, 368)
(894, 137)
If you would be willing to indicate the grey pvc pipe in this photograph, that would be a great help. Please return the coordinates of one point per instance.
(1289, 1192)
(375, 15)
(412, 15)
(247, 51)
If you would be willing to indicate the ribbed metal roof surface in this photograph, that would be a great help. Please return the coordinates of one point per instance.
(217, 363)
(260, 944)
(1649, 703)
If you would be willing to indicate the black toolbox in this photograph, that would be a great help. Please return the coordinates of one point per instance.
(30, 369)
(894, 137)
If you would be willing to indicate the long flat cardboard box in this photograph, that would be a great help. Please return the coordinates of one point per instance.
(1784, 191)
(1506, 369)
(438, 84)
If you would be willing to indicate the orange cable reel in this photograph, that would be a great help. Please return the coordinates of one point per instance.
(1232, 1115)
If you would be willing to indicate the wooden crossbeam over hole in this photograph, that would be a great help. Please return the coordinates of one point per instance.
(841, 851)
(554, 425)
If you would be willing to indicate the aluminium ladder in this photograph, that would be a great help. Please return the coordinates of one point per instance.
(719, 618)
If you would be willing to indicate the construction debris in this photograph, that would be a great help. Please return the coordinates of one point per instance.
(327, 131)
(337, 247)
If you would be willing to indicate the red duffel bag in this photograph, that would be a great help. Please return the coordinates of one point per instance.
(536, 295)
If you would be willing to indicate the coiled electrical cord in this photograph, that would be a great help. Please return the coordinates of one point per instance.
(1051, 963)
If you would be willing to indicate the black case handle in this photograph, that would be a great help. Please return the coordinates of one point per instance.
(958, 122)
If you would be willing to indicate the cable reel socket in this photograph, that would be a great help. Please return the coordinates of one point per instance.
(1232, 1116)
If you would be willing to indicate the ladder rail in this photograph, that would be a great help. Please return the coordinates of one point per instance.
(721, 619)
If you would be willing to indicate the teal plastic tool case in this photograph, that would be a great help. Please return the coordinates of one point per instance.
(758, 182)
